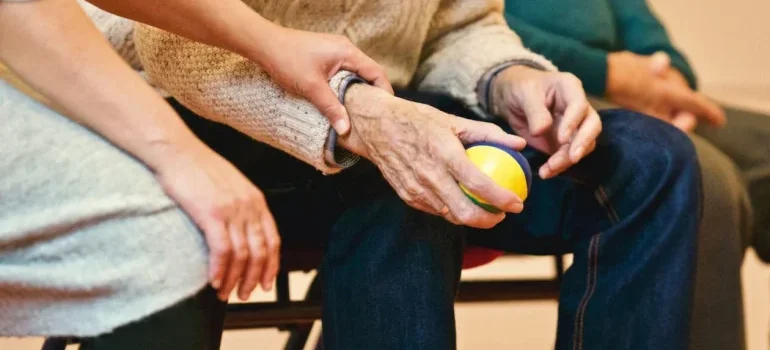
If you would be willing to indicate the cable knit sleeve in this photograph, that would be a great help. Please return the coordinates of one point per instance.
(466, 40)
(227, 88)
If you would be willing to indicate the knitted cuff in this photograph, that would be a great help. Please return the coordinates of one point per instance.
(485, 85)
(340, 157)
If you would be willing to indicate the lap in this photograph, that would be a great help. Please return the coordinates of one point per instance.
(744, 139)
(72, 201)
(293, 188)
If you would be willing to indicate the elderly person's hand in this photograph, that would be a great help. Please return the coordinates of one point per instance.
(420, 152)
(550, 110)
(649, 84)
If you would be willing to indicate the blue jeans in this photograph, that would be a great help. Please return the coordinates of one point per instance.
(629, 212)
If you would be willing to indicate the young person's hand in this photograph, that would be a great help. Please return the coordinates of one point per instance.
(551, 111)
(244, 246)
(303, 62)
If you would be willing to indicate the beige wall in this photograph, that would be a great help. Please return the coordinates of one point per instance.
(728, 41)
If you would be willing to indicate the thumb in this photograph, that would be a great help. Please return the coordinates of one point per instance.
(660, 62)
(471, 131)
(329, 105)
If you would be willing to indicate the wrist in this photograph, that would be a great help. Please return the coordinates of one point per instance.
(364, 103)
(502, 83)
(615, 74)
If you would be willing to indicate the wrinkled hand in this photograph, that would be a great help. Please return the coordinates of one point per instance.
(303, 62)
(551, 111)
(649, 84)
(420, 152)
(233, 215)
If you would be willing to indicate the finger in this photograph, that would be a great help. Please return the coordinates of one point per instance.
(368, 69)
(481, 185)
(220, 250)
(557, 163)
(470, 131)
(687, 100)
(576, 112)
(685, 121)
(322, 97)
(237, 231)
(419, 189)
(588, 132)
(591, 147)
(255, 242)
(539, 119)
(462, 211)
(273, 241)
(660, 62)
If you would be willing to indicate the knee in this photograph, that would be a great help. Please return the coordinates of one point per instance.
(650, 146)
(726, 202)
(648, 162)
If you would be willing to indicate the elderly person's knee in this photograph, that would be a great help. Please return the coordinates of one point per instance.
(725, 199)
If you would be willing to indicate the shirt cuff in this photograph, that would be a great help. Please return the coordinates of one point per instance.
(340, 157)
(485, 85)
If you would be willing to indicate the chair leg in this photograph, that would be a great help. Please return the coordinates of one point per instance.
(559, 259)
(55, 344)
(298, 337)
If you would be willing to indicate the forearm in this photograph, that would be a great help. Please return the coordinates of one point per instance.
(228, 88)
(53, 47)
(228, 24)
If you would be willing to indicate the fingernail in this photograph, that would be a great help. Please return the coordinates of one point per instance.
(216, 284)
(244, 296)
(269, 286)
(517, 207)
(342, 126)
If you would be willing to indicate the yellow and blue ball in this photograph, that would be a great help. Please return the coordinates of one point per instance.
(507, 167)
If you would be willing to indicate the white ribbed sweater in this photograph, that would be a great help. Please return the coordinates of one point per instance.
(442, 46)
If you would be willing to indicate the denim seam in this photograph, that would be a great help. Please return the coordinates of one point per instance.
(593, 252)
(593, 267)
(604, 200)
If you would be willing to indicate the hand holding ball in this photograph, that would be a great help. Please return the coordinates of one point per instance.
(505, 166)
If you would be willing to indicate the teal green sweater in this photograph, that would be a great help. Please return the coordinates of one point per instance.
(577, 35)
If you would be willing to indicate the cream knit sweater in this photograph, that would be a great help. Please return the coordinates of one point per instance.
(443, 46)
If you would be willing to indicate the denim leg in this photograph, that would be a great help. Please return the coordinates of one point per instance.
(631, 283)
(390, 273)
(390, 278)
(630, 213)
